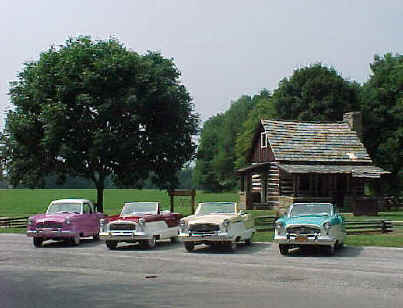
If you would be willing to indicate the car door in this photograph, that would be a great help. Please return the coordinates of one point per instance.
(93, 221)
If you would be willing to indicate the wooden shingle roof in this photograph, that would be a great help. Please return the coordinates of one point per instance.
(354, 170)
(314, 142)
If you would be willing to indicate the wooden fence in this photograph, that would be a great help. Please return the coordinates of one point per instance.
(13, 222)
(266, 224)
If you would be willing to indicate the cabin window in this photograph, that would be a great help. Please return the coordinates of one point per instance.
(263, 140)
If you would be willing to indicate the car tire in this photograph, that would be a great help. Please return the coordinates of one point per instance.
(189, 246)
(284, 249)
(75, 241)
(111, 244)
(232, 246)
(37, 241)
(96, 237)
(330, 250)
(339, 245)
(151, 243)
(248, 241)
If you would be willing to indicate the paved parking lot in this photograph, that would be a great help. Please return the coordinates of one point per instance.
(93, 276)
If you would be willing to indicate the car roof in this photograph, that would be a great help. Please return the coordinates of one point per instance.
(71, 201)
(142, 202)
(304, 203)
(218, 202)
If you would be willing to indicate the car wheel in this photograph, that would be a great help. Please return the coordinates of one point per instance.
(174, 239)
(189, 246)
(37, 242)
(111, 244)
(339, 245)
(248, 241)
(151, 243)
(283, 249)
(232, 246)
(330, 250)
(96, 237)
(76, 240)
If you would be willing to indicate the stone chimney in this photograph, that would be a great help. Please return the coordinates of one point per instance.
(354, 120)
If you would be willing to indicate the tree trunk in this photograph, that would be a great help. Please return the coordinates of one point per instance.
(100, 197)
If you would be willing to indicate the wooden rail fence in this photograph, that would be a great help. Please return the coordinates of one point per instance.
(266, 224)
(13, 222)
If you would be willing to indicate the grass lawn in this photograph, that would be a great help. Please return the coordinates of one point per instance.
(26, 202)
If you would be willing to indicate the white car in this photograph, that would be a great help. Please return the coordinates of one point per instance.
(141, 222)
(217, 223)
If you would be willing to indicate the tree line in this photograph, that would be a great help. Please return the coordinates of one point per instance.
(312, 93)
(95, 114)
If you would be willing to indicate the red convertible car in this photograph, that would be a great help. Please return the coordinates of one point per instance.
(141, 222)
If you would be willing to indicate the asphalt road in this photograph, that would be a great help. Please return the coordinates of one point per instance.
(90, 275)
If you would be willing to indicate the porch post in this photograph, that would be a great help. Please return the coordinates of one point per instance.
(263, 191)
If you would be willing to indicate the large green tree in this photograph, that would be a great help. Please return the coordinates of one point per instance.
(263, 109)
(382, 107)
(215, 163)
(96, 109)
(315, 93)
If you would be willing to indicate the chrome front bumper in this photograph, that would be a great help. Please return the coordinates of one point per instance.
(124, 236)
(310, 239)
(51, 233)
(216, 237)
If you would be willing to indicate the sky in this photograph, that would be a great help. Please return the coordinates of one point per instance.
(224, 49)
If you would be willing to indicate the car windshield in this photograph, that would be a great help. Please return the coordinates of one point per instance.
(215, 208)
(64, 208)
(310, 209)
(140, 208)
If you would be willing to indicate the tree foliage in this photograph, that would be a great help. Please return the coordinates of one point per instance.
(315, 93)
(263, 109)
(215, 163)
(382, 107)
(94, 109)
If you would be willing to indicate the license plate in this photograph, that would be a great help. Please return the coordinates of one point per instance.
(301, 239)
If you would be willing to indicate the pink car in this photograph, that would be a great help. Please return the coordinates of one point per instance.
(66, 219)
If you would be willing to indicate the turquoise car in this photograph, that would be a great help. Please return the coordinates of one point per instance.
(316, 224)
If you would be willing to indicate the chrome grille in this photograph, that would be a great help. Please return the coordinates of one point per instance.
(204, 228)
(120, 226)
(303, 230)
(49, 224)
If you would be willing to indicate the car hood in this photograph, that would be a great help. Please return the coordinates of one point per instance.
(307, 220)
(211, 219)
(54, 217)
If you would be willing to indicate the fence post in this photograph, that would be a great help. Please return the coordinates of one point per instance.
(383, 227)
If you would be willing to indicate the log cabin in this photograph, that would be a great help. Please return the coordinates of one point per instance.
(292, 161)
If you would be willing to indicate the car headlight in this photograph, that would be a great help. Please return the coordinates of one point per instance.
(31, 221)
(102, 224)
(183, 226)
(67, 221)
(279, 228)
(327, 226)
(141, 224)
(226, 224)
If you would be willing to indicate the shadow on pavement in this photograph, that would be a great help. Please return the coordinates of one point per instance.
(84, 242)
(317, 251)
(240, 249)
(161, 245)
